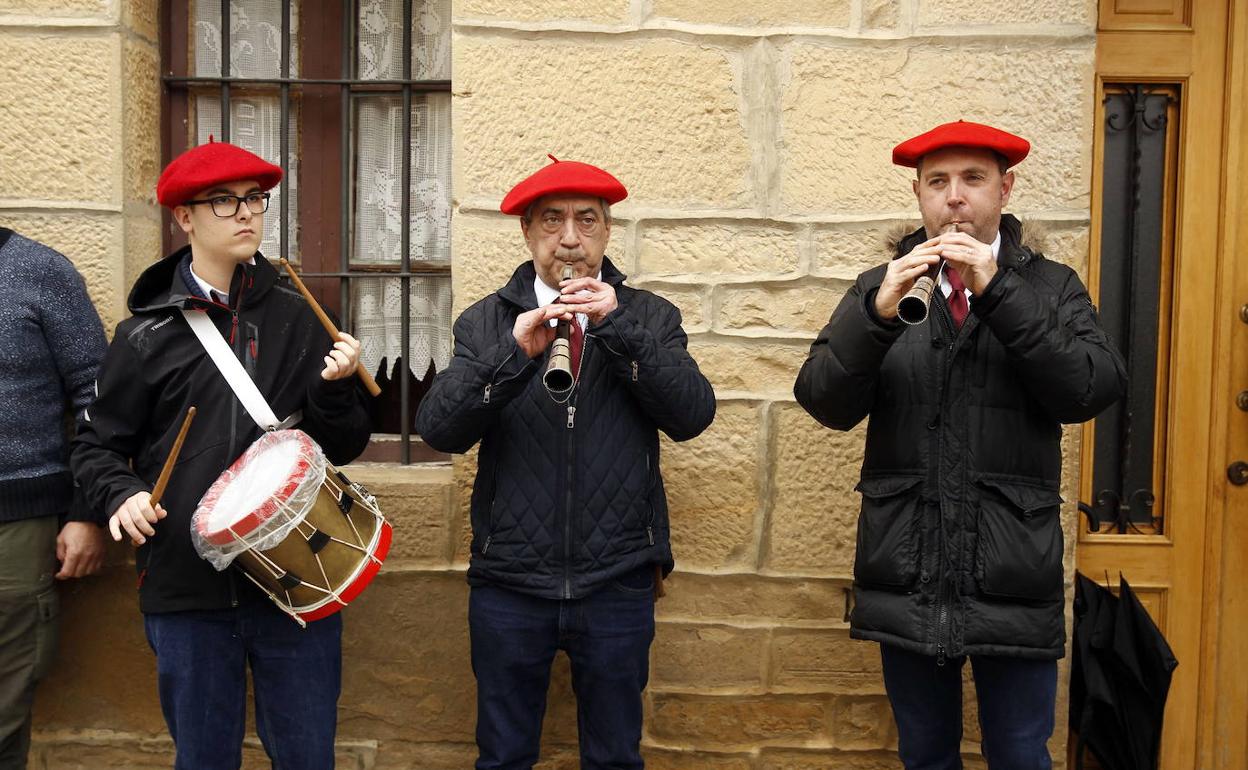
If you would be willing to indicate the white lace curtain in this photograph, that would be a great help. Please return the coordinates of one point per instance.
(378, 178)
(255, 51)
(255, 120)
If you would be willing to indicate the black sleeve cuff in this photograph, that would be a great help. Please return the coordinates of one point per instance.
(868, 309)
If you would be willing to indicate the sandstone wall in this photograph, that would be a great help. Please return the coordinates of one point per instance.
(79, 141)
(754, 139)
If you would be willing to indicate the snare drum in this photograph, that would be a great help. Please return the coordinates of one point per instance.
(300, 529)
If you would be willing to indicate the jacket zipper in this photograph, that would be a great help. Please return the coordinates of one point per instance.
(239, 348)
(489, 522)
(249, 350)
(570, 476)
(567, 518)
(632, 361)
(649, 493)
(485, 398)
(943, 584)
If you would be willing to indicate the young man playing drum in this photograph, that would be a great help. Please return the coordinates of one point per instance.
(205, 626)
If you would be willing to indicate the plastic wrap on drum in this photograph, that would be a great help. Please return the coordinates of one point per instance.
(260, 498)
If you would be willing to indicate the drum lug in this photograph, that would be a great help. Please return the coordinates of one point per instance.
(364, 494)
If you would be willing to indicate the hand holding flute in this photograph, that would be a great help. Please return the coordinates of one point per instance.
(913, 305)
(910, 281)
(559, 377)
(532, 330)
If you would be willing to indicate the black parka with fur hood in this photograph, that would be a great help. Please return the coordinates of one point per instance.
(959, 536)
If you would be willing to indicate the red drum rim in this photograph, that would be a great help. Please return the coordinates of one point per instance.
(361, 581)
(269, 507)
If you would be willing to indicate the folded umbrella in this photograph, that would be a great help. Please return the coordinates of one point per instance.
(1120, 677)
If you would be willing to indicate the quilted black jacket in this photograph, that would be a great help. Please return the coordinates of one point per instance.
(568, 496)
(959, 537)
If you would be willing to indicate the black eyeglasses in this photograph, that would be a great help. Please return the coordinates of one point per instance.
(226, 206)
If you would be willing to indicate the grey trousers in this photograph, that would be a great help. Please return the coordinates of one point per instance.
(28, 627)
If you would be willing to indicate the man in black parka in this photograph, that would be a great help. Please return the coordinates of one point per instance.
(959, 539)
(569, 517)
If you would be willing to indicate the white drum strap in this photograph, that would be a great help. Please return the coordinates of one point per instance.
(234, 373)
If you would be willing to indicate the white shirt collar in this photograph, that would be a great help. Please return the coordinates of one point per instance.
(547, 295)
(208, 289)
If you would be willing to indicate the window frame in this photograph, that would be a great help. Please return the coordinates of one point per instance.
(326, 91)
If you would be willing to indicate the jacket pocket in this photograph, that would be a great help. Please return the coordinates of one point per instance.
(46, 631)
(486, 536)
(889, 532)
(650, 485)
(1019, 552)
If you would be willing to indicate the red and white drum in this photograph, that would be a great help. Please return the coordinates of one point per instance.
(300, 529)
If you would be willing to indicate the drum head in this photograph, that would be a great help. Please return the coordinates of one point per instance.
(269, 479)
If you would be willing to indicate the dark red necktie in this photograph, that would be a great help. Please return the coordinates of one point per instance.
(577, 339)
(958, 306)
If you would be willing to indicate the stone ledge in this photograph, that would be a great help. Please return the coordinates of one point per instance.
(385, 473)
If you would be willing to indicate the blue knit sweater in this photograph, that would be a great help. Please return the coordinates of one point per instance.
(53, 343)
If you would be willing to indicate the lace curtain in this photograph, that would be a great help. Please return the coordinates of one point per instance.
(255, 51)
(255, 119)
(378, 176)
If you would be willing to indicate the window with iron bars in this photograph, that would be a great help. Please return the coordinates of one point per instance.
(352, 99)
(1135, 274)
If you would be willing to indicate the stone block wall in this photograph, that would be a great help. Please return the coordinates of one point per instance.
(754, 139)
(79, 139)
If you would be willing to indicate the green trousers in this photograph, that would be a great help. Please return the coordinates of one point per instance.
(28, 627)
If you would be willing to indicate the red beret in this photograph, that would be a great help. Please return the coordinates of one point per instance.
(211, 164)
(563, 176)
(961, 134)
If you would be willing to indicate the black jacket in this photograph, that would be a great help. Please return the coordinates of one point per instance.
(959, 538)
(156, 368)
(568, 496)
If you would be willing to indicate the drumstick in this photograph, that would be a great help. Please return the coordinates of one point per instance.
(365, 377)
(163, 479)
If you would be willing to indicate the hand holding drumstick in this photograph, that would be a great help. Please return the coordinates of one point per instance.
(142, 509)
(344, 358)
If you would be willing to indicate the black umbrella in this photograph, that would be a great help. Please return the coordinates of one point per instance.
(1120, 676)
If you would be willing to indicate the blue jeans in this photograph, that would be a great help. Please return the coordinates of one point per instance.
(201, 663)
(1016, 703)
(607, 639)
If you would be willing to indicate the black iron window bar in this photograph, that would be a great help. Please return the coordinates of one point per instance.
(351, 86)
(1136, 126)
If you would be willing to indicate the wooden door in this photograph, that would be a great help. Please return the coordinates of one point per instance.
(1223, 709)
(1183, 563)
